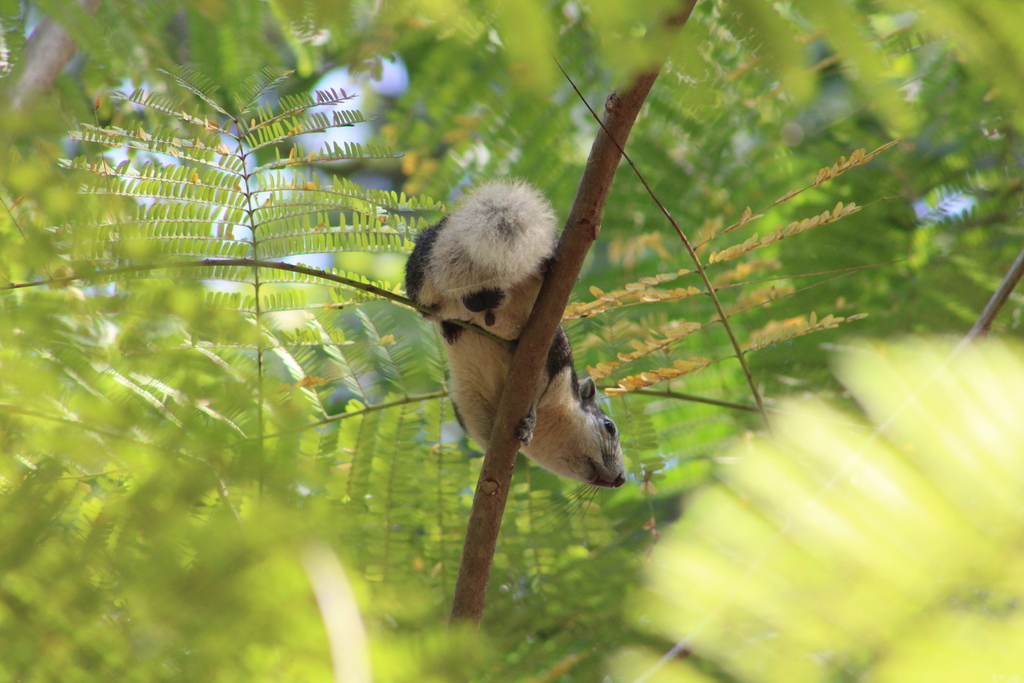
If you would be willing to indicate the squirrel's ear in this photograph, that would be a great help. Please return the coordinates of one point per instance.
(588, 389)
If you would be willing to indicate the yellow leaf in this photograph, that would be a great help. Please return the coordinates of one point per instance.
(311, 381)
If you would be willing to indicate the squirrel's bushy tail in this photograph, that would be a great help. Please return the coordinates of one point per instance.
(495, 239)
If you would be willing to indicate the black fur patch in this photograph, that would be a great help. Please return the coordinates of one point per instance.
(608, 454)
(462, 423)
(483, 300)
(450, 331)
(560, 360)
(415, 267)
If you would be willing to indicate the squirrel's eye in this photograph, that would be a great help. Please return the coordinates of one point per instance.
(609, 427)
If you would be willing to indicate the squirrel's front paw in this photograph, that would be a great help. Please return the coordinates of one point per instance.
(526, 425)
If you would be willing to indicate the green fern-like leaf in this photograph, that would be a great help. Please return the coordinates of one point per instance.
(199, 85)
(201, 193)
(256, 86)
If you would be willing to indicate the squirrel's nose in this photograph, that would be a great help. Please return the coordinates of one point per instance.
(619, 481)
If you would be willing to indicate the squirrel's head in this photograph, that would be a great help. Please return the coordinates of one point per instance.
(574, 438)
(603, 464)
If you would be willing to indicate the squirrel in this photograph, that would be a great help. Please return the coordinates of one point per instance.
(484, 263)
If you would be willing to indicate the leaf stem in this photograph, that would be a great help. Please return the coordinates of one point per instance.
(696, 399)
(416, 398)
(10, 212)
(272, 265)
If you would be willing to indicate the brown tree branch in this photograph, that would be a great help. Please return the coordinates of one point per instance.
(521, 389)
(47, 51)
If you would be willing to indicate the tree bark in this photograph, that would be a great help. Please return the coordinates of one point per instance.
(581, 229)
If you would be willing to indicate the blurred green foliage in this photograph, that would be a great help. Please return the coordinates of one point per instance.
(161, 479)
(841, 549)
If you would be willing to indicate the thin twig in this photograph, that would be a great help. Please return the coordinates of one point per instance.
(28, 412)
(523, 383)
(416, 398)
(696, 261)
(999, 298)
(790, 195)
(257, 263)
(10, 212)
(696, 399)
(222, 493)
(738, 406)
(768, 302)
(96, 475)
(839, 273)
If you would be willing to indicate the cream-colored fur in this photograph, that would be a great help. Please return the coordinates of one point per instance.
(479, 365)
(566, 439)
